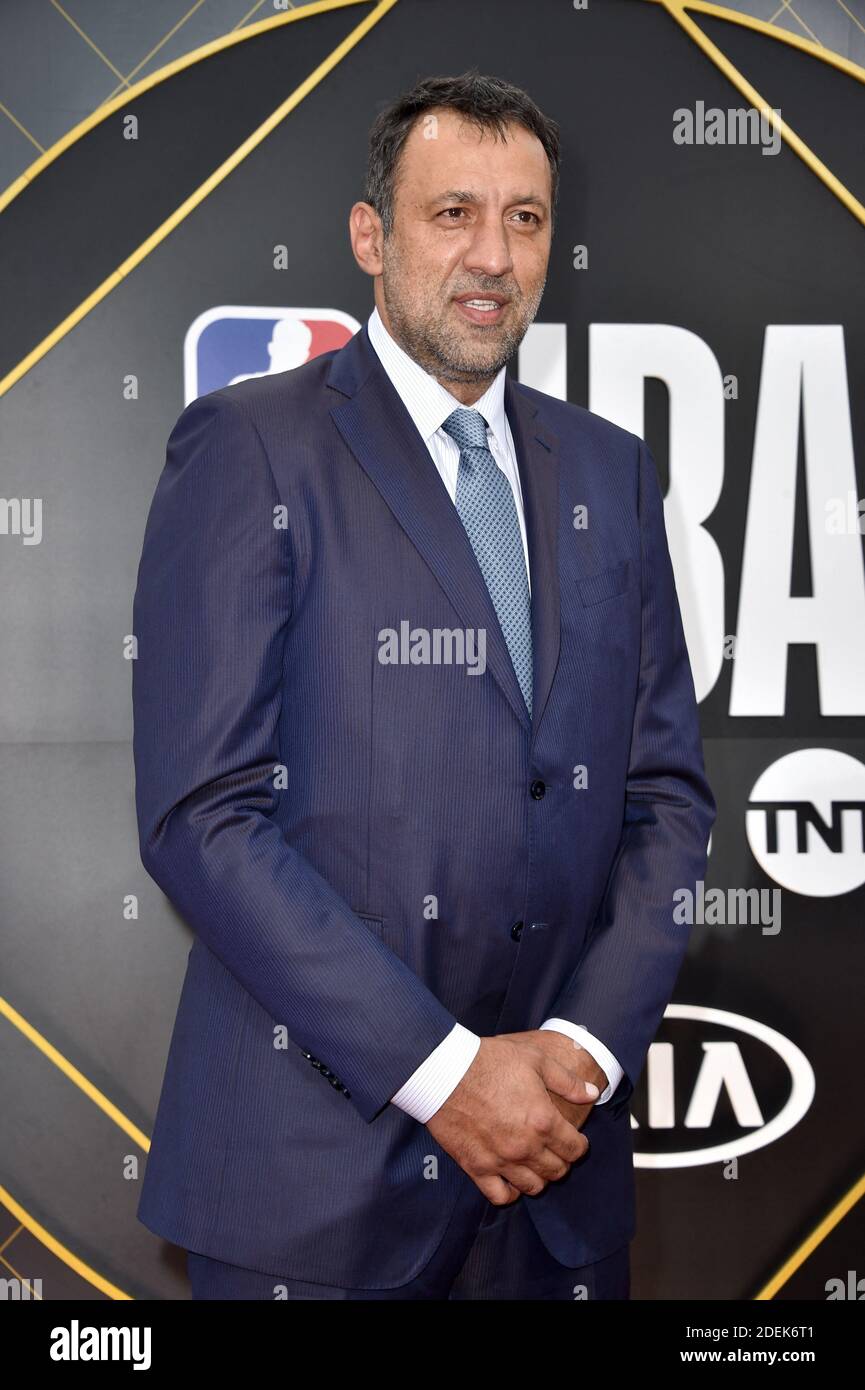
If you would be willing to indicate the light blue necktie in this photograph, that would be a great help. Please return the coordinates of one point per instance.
(485, 503)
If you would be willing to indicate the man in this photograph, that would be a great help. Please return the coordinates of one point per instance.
(418, 759)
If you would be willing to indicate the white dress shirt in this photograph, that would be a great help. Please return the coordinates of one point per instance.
(429, 404)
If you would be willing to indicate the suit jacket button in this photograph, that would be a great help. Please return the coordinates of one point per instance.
(537, 789)
(517, 930)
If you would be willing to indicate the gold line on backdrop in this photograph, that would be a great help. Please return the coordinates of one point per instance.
(56, 1247)
(212, 181)
(24, 131)
(161, 44)
(196, 55)
(677, 9)
(11, 1014)
(87, 39)
(817, 1236)
(771, 31)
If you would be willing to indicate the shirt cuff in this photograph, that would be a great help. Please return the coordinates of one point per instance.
(602, 1055)
(429, 1086)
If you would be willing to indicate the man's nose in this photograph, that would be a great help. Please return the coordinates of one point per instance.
(489, 252)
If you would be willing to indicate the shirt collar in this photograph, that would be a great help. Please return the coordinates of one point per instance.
(426, 400)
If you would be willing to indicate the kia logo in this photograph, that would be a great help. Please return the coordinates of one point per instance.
(726, 1086)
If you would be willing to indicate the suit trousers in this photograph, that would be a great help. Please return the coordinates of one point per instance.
(498, 1255)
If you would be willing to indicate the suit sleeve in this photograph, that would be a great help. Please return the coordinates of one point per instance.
(625, 977)
(211, 611)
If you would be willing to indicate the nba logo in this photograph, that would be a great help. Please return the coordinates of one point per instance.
(235, 341)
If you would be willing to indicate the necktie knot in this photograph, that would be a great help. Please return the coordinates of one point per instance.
(467, 427)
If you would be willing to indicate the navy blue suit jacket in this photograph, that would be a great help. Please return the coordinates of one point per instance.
(302, 804)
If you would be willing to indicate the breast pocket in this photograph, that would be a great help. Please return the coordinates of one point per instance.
(594, 588)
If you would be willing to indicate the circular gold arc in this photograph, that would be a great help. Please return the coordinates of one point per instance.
(118, 103)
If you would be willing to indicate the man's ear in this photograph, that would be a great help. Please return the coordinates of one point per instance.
(367, 236)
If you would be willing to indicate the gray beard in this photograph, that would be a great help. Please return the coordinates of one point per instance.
(430, 347)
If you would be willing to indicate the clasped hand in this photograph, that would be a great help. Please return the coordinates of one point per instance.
(513, 1122)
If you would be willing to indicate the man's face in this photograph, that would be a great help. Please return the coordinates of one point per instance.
(471, 223)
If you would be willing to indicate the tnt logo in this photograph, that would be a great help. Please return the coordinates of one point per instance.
(236, 341)
(805, 822)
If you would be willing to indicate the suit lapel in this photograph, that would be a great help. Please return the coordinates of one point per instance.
(381, 434)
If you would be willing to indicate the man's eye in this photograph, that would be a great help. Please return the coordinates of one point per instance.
(521, 212)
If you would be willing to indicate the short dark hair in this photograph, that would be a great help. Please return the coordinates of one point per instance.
(489, 103)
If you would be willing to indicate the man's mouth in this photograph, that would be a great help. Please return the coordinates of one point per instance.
(480, 308)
